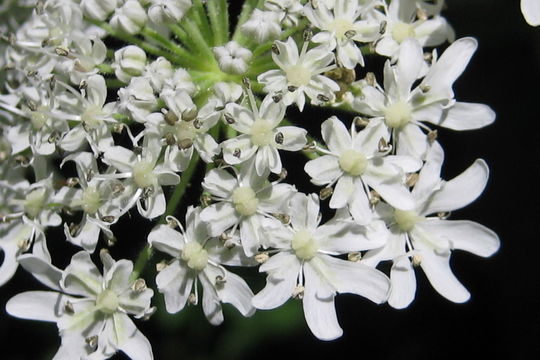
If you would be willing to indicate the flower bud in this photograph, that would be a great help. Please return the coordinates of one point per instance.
(130, 18)
(129, 62)
(168, 10)
(98, 9)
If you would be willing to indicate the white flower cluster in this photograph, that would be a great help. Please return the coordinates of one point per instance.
(135, 95)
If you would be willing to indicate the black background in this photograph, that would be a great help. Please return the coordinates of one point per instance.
(501, 320)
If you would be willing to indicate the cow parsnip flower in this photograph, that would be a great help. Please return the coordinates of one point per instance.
(110, 105)
(90, 309)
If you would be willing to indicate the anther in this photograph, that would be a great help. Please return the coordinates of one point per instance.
(370, 78)
(237, 153)
(292, 88)
(279, 138)
(323, 98)
(382, 27)
(354, 256)
(298, 292)
(361, 121)
(184, 144)
(68, 308)
(374, 197)
(275, 49)
(72, 182)
(432, 136)
(108, 219)
(229, 119)
(170, 118)
(190, 114)
(326, 193)
(262, 257)
(411, 179)
(277, 97)
(139, 285)
(92, 341)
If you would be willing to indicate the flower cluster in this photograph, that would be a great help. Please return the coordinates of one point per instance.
(135, 95)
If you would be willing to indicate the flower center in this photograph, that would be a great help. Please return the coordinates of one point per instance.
(304, 245)
(262, 132)
(406, 220)
(34, 202)
(353, 162)
(185, 130)
(402, 31)
(195, 256)
(39, 117)
(143, 174)
(91, 117)
(245, 201)
(398, 115)
(91, 200)
(107, 302)
(298, 75)
(340, 27)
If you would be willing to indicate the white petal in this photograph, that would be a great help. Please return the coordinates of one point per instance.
(403, 283)
(412, 141)
(304, 211)
(235, 291)
(294, 138)
(82, 277)
(323, 170)
(42, 270)
(449, 66)
(437, 269)
(165, 239)
(359, 206)
(430, 175)
(465, 235)
(137, 347)
(211, 303)
(220, 217)
(531, 11)
(220, 183)
(320, 313)
(345, 189)
(466, 116)
(335, 135)
(410, 63)
(357, 278)
(460, 191)
(250, 234)
(37, 305)
(175, 283)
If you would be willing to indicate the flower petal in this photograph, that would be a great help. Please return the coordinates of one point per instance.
(403, 283)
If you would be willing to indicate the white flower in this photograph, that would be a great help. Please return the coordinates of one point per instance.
(130, 17)
(419, 239)
(300, 74)
(158, 72)
(137, 99)
(402, 107)
(262, 26)
(341, 28)
(161, 11)
(401, 24)
(197, 257)
(96, 198)
(94, 119)
(531, 11)
(232, 58)
(304, 267)
(98, 9)
(260, 138)
(355, 163)
(129, 61)
(144, 175)
(91, 310)
(184, 128)
(244, 201)
(179, 81)
(289, 10)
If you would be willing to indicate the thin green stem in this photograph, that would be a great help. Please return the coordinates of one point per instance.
(105, 68)
(218, 13)
(199, 15)
(185, 58)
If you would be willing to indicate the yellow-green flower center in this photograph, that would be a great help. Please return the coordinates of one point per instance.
(143, 174)
(91, 117)
(398, 114)
(304, 245)
(402, 31)
(34, 201)
(298, 75)
(340, 27)
(91, 200)
(245, 201)
(406, 220)
(107, 302)
(353, 162)
(195, 256)
(262, 132)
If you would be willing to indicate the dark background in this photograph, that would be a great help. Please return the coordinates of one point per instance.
(502, 319)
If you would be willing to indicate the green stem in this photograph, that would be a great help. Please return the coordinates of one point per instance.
(199, 15)
(185, 58)
(218, 13)
(198, 40)
(105, 68)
